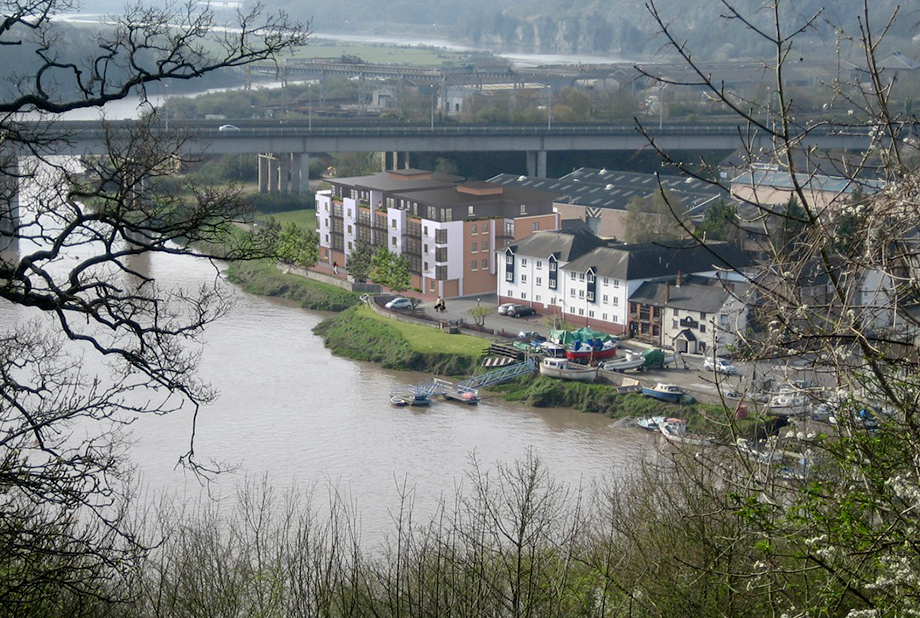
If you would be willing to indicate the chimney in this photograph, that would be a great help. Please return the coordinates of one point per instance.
(667, 292)
(679, 277)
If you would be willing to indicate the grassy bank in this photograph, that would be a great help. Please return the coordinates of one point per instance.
(262, 277)
(360, 334)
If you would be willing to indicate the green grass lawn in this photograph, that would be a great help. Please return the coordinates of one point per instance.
(428, 340)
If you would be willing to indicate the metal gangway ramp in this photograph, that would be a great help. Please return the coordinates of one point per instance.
(468, 390)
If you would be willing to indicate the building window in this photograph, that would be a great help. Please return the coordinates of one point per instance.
(615, 319)
(581, 293)
(581, 312)
(523, 261)
(604, 317)
(431, 287)
(539, 281)
(674, 324)
(471, 212)
(509, 276)
(572, 310)
(606, 280)
(425, 248)
(702, 328)
(485, 264)
(581, 276)
(509, 258)
(572, 292)
(537, 298)
(616, 301)
(523, 278)
(606, 299)
(393, 223)
(474, 265)
(426, 230)
(440, 273)
(616, 283)
(523, 209)
(350, 247)
(473, 229)
(440, 236)
(523, 295)
(590, 277)
(536, 226)
(539, 265)
(485, 245)
(349, 229)
(552, 266)
(473, 248)
(485, 228)
(591, 297)
(572, 276)
(590, 314)
(327, 239)
(426, 267)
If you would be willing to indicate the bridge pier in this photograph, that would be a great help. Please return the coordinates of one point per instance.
(395, 160)
(300, 173)
(9, 212)
(264, 171)
(536, 163)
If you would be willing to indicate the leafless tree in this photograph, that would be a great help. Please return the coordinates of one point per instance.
(836, 294)
(89, 341)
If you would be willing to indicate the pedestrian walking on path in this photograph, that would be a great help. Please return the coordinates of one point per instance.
(335, 268)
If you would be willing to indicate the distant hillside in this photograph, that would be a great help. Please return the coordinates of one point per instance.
(623, 27)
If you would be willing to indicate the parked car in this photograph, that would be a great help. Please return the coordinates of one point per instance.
(228, 127)
(719, 365)
(399, 304)
(520, 311)
(503, 309)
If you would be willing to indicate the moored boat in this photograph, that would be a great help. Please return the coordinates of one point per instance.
(664, 392)
(566, 370)
(675, 430)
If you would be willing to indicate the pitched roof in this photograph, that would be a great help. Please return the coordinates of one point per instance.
(659, 259)
(706, 294)
(567, 244)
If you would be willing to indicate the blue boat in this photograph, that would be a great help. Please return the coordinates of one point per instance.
(664, 392)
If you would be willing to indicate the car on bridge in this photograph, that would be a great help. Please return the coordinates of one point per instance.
(228, 127)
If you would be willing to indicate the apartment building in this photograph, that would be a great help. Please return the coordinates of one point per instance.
(589, 281)
(447, 229)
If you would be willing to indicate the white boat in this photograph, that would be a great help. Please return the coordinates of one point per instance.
(675, 430)
(788, 403)
(629, 361)
(664, 392)
(652, 423)
(567, 370)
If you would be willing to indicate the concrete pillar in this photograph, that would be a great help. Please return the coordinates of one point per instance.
(406, 164)
(383, 162)
(531, 163)
(9, 212)
(274, 180)
(541, 164)
(300, 173)
(395, 160)
(264, 172)
(284, 172)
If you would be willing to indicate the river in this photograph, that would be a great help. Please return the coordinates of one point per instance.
(292, 412)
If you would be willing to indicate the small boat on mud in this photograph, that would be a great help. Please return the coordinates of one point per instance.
(565, 369)
(675, 430)
(664, 392)
(651, 423)
(410, 399)
(590, 352)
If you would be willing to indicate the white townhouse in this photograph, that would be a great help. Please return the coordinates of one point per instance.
(589, 281)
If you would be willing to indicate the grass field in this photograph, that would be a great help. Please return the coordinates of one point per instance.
(383, 53)
(426, 339)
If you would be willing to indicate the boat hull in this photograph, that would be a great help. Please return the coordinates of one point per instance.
(590, 355)
(661, 395)
(552, 368)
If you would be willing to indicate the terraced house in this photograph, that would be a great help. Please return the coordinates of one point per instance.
(448, 229)
(590, 281)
